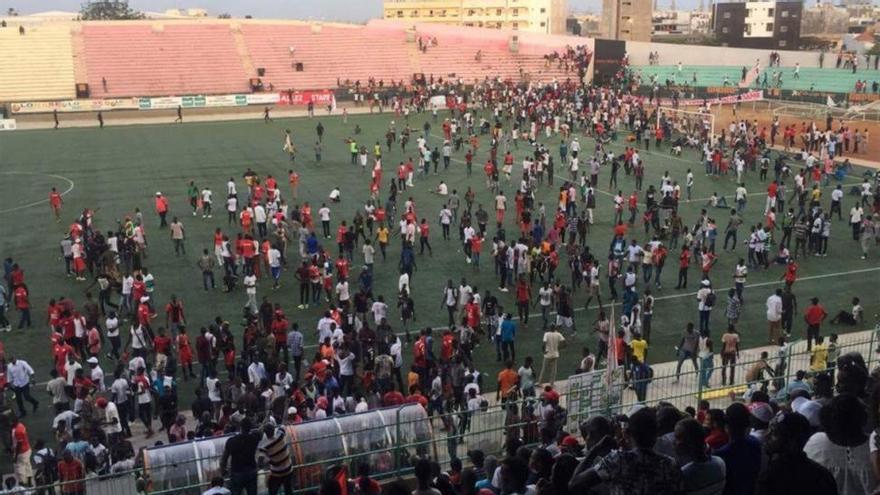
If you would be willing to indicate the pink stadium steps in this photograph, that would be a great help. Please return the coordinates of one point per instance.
(334, 53)
(137, 60)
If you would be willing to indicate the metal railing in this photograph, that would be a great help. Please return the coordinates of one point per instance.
(390, 445)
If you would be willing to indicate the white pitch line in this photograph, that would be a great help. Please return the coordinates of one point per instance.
(70, 187)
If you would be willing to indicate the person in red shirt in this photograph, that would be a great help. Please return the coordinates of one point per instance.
(790, 275)
(174, 317)
(162, 209)
(424, 230)
(523, 298)
(71, 474)
(279, 328)
(184, 353)
(341, 267)
(21, 296)
(476, 247)
(55, 203)
(21, 452)
(162, 347)
(684, 261)
(708, 260)
(814, 316)
(16, 276)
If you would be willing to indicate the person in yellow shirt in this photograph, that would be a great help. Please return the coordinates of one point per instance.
(819, 355)
(382, 234)
(639, 347)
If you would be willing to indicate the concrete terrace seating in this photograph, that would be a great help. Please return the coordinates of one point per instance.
(162, 59)
(328, 54)
(830, 79)
(37, 65)
(707, 76)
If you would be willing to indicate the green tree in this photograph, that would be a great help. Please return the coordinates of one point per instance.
(109, 10)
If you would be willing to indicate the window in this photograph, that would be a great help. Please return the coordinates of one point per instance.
(727, 15)
(399, 13)
(782, 43)
(783, 29)
(769, 27)
(543, 24)
(515, 26)
(543, 10)
(515, 12)
(498, 11)
(725, 30)
(748, 29)
(471, 12)
(784, 13)
(748, 13)
(770, 12)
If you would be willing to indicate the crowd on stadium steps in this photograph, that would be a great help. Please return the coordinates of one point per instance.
(358, 364)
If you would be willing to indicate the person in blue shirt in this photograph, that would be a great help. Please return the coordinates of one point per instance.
(508, 335)
(742, 454)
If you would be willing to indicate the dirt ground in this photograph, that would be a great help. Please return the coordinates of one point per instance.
(763, 113)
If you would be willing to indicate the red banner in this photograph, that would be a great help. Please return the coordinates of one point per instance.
(302, 98)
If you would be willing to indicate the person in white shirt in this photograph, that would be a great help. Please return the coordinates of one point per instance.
(206, 202)
(774, 316)
(335, 195)
(324, 215)
(96, 374)
(379, 310)
(343, 294)
(250, 285)
(19, 374)
(274, 256)
(836, 199)
(217, 487)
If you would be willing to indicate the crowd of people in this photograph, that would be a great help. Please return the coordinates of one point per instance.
(271, 375)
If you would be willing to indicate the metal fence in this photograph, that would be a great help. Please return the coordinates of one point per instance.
(390, 445)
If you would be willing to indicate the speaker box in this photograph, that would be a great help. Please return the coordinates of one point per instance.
(261, 71)
(82, 90)
(299, 67)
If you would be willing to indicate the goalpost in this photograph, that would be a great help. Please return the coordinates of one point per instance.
(697, 125)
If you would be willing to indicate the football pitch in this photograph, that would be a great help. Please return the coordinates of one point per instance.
(118, 169)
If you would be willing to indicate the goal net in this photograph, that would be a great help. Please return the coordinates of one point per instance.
(693, 127)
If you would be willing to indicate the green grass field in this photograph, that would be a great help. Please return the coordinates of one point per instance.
(117, 169)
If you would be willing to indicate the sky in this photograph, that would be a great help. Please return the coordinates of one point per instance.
(336, 10)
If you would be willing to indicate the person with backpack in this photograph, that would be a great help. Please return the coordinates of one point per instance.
(450, 301)
(706, 301)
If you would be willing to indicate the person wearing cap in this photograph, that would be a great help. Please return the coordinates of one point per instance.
(96, 374)
(706, 301)
(162, 209)
(761, 413)
(789, 470)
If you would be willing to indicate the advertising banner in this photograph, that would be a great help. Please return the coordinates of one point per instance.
(102, 105)
(318, 97)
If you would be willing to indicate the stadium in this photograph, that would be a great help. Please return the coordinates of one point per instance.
(171, 301)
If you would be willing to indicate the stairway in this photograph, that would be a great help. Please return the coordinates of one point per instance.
(413, 55)
(751, 75)
(78, 47)
(243, 53)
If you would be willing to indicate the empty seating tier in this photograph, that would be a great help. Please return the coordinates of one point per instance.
(36, 65)
(146, 59)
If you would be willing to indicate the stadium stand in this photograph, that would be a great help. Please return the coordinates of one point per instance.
(37, 65)
(143, 59)
(707, 76)
(328, 53)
